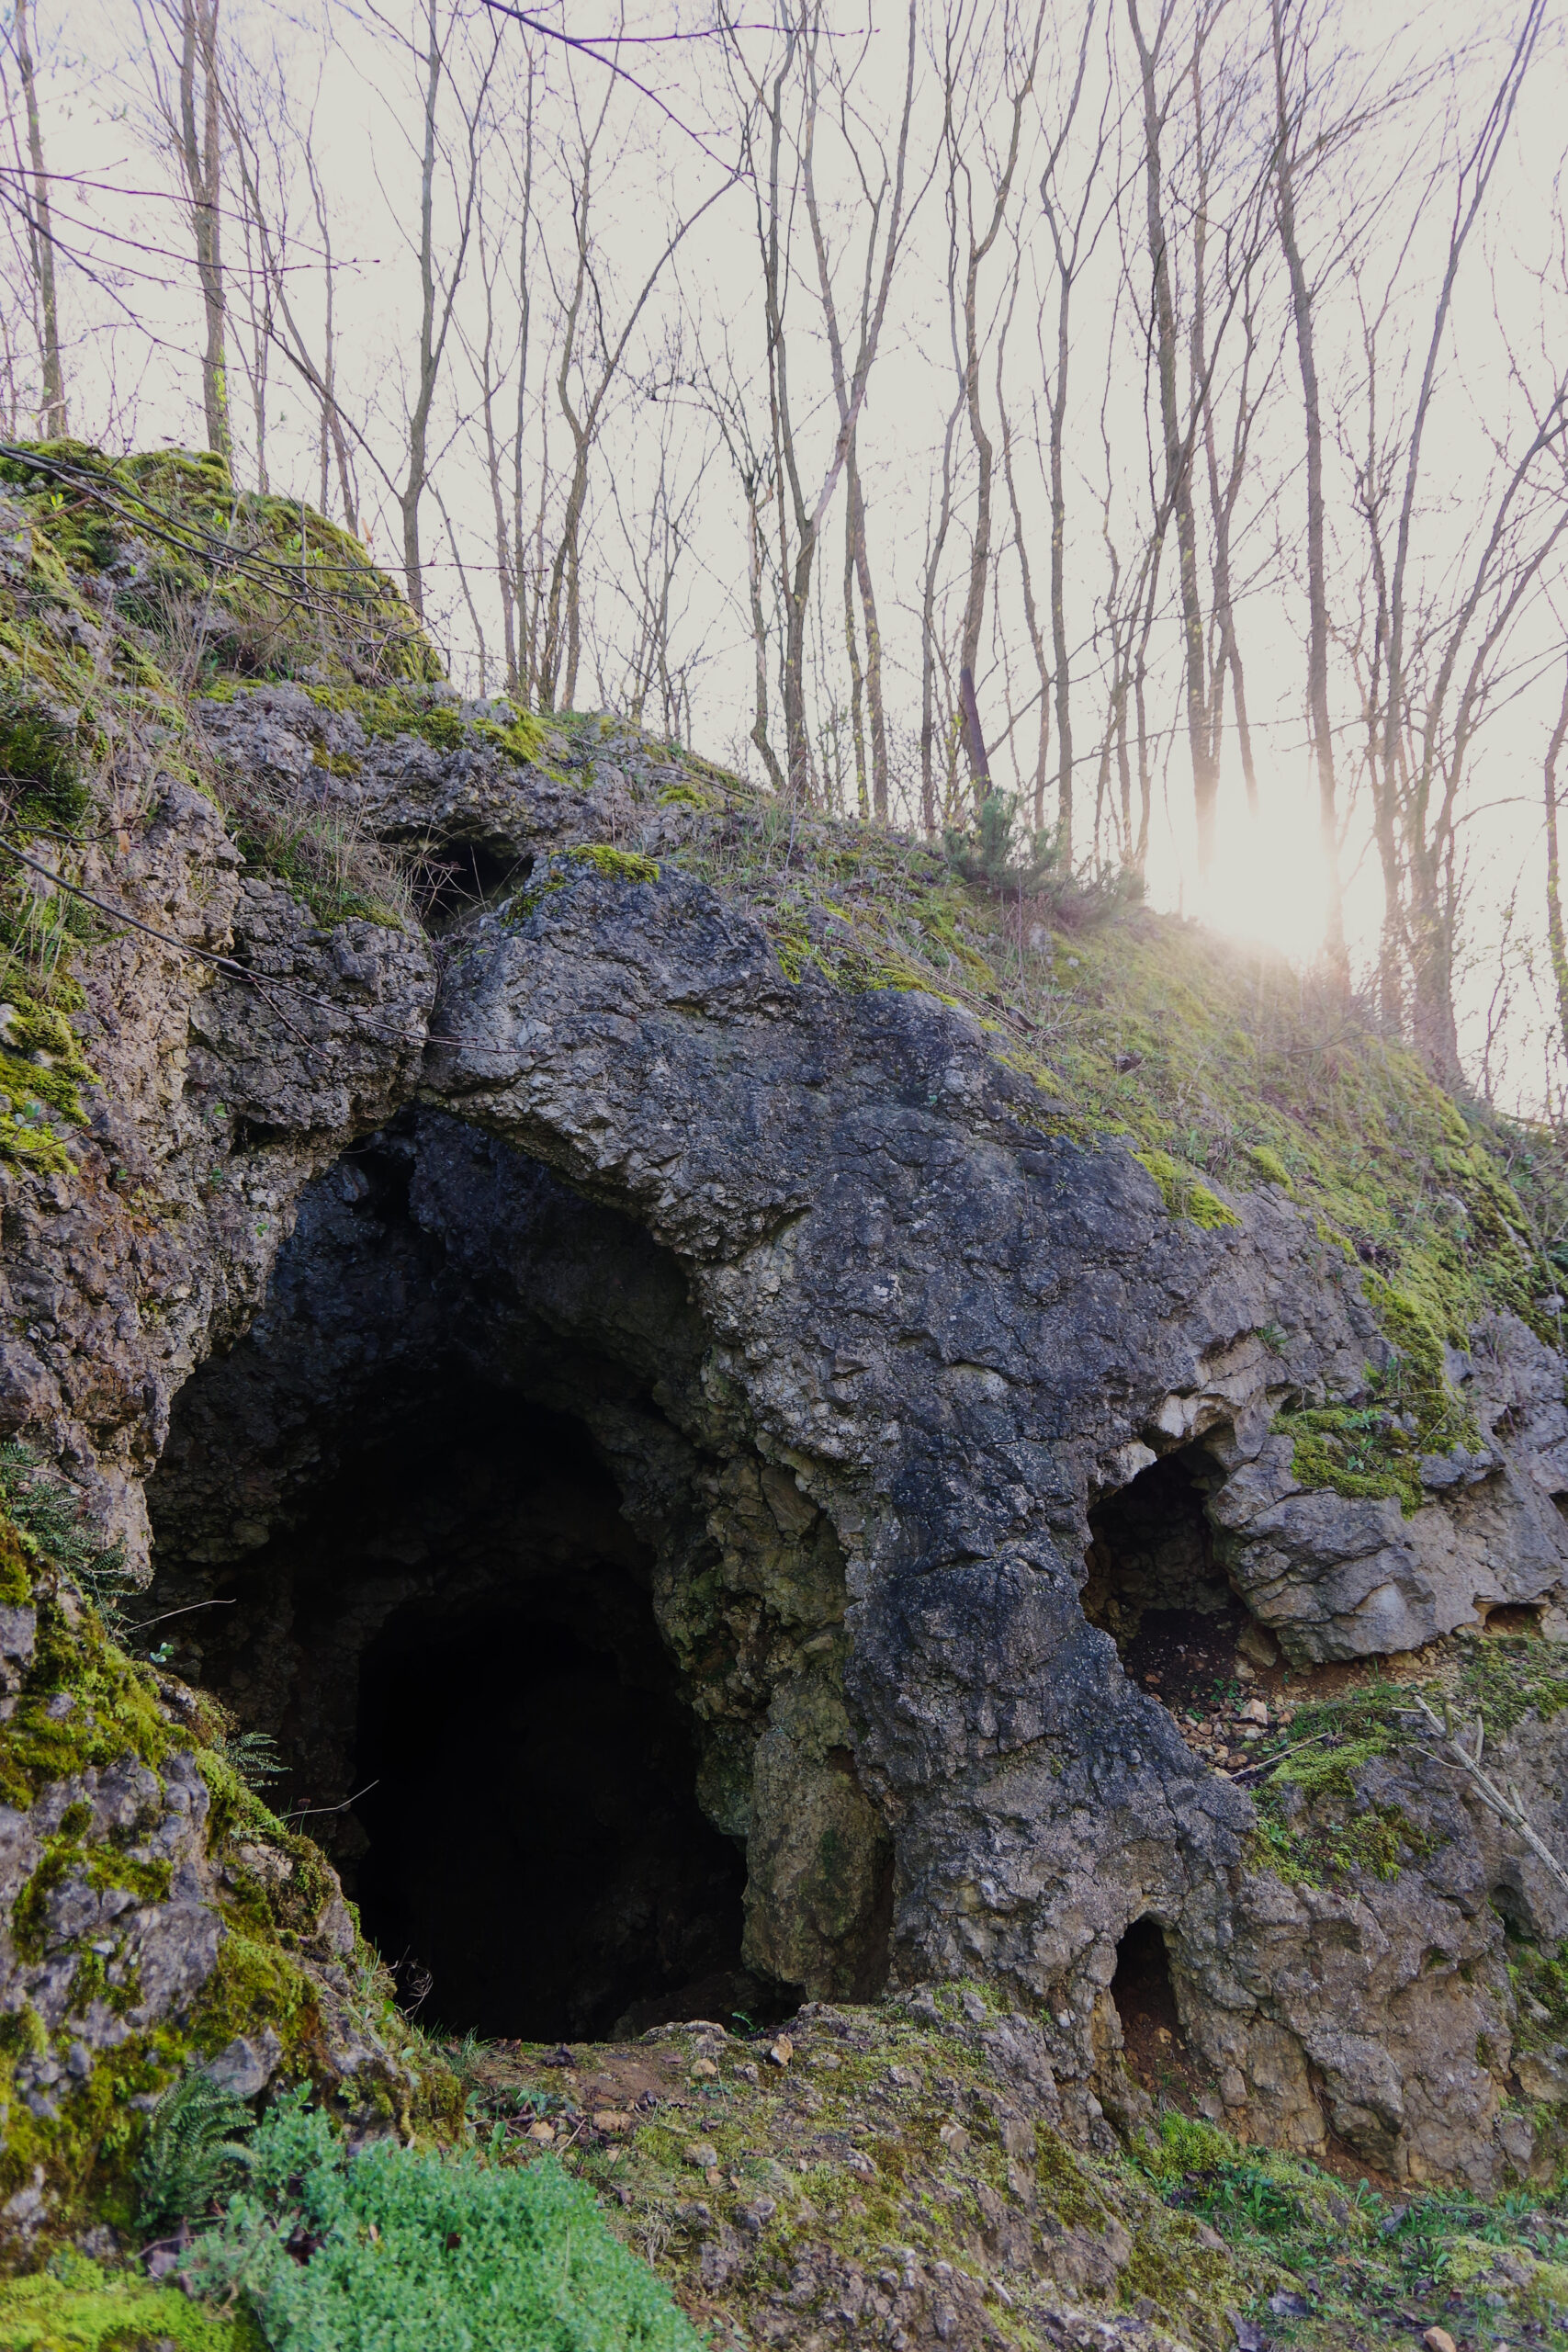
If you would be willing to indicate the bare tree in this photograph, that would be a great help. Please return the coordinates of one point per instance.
(440, 271)
(180, 42)
(1072, 243)
(965, 140)
(792, 95)
(41, 236)
(1289, 56)
(1557, 939)
(1430, 671)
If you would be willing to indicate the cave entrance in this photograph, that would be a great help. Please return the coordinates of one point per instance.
(453, 1646)
(1145, 1999)
(535, 1852)
(1156, 1587)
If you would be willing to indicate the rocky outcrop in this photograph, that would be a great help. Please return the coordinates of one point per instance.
(860, 1336)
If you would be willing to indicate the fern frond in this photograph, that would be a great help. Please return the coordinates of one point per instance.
(193, 2149)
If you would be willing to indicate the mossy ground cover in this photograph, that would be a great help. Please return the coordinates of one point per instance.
(879, 2145)
(130, 586)
(1339, 2263)
(874, 2141)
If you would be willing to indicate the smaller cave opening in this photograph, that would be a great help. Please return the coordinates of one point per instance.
(1155, 1585)
(452, 877)
(1145, 1999)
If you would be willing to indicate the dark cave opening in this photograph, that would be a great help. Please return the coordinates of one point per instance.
(1154, 1583)
(457, 1633)
(452, 879)
(535, 1849)
(1145, 1999)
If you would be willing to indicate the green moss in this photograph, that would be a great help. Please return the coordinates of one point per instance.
(1184, 1193)
(615, 865)
(1270, 1166)
(523, 738)
(41, 776)
(79, 2306)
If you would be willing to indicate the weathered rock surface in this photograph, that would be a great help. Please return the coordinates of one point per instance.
(861, 1344)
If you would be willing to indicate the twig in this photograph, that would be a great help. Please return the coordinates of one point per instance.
(1507, 1806)
(143, 1625)
(1265, 1763)
(309, 1812)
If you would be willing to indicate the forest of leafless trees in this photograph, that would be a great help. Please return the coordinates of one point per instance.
(1156, 410)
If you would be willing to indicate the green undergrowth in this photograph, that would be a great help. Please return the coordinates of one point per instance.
(418, 2247)
(1358, 2265)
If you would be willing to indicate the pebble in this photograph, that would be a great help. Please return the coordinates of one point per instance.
(703, 2154)
(543, 2132)
(1438, 2339)
(706, 2067)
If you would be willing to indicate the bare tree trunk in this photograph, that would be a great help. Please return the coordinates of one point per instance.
(876, 703)
(200, 152)
(332, 423)
(429, 362)
(1066, 242)
(1556, 939)
(928, 616)
(985, 455)
(1176, 443)
(851, 646)
(1319, 719)
(40, 241)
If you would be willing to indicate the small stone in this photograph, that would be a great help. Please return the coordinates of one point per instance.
(1259, 1646)
(1438, 2339)
(782, 2050)
(706, 2067)
(543, 2132)
(611, 2118)
(1255, 1711)
(1244, 1673)
(704, 2155)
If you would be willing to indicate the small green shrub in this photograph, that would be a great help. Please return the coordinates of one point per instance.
(47, 1511)
(408, 2247)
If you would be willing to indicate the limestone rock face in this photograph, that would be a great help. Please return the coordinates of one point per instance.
(858, 1346)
